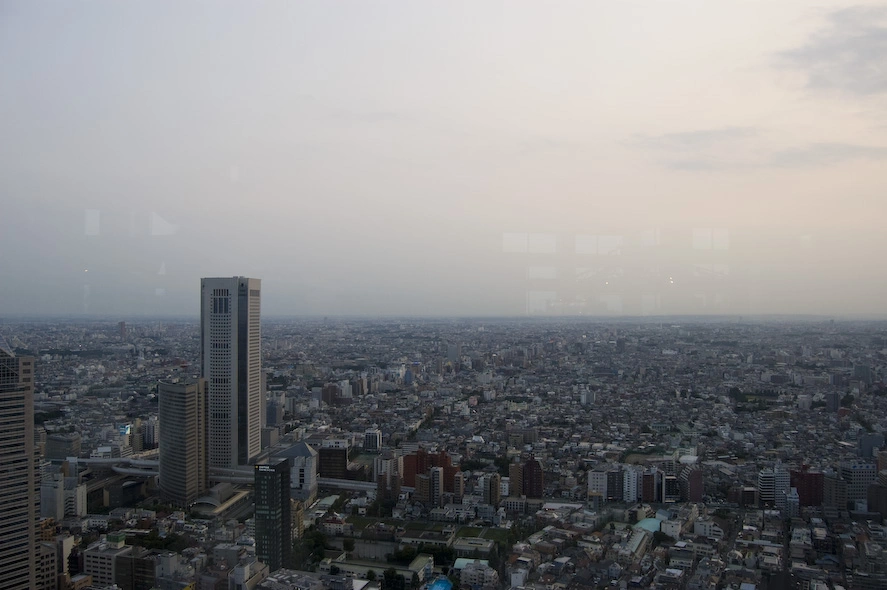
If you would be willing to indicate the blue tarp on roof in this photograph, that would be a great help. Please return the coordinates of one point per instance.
(649, 524)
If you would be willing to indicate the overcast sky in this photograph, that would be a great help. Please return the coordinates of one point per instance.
(438, 158)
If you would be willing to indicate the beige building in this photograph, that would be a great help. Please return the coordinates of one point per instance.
(182, 415)
(47, 568)
(100, 558)
(18, 535)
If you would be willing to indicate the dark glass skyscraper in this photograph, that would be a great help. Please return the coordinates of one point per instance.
(274, 538)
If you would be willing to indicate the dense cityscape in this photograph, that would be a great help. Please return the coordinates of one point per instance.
(407, 295)
(231, 451)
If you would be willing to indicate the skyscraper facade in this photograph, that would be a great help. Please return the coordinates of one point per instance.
(182, 413)
(18, 506)
(273, 516)
(231, 363)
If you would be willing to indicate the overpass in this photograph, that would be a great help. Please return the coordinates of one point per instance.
(332, 483)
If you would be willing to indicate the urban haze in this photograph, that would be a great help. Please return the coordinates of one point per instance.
(438, 159)
(443, 296)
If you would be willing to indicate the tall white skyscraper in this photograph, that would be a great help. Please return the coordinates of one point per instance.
(231, 363)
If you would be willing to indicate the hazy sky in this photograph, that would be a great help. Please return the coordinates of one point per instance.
(440, 157)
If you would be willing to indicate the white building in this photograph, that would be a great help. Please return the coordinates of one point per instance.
(597, 482)
(100, 558)
(476, 576)
(390, 465)
(372, 440)
(150, 433)
(303, 470)
(773, 485)
(791, 503)
(52, 497)
(632, 483)
(231, 363)
(706, 526)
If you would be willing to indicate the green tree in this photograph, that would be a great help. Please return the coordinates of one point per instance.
(442, 555)
(371, 576)
(403, 556)
(309, 550)
(502, 464)
(391, 580)
(659, 537)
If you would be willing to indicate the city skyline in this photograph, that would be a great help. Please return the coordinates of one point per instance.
(418, 160)
(677, 433)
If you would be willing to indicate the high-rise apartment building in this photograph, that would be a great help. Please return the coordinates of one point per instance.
(231, 363)
(692, 485)
(459, 487)
(651, 486)
(869, 444)
(881, 460)
(493, 489)
(859, 475)
(597, 482)
(136, 570)
(303, 471)
(60, 446)
(332, 462)
(415, 464)
(18, 513)
(632, 478)
(387, 470)
(436, 486)
(273, 516)
(773, 484)
(834, 491)
(372, 440)
(809, 485)
(47, 568)
(182, 414)
(615, 482)
(516, 478)
(534, 479)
